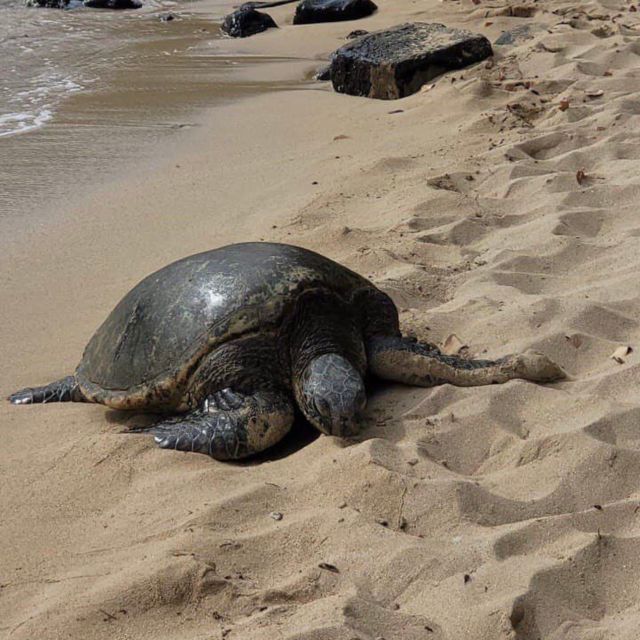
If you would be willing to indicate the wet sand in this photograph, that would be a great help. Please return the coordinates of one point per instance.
(499, 205)
(162, 80)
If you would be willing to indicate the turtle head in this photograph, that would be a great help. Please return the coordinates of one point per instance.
(331, 394)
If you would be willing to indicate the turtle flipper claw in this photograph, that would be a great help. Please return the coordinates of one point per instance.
(63, 390)
(250, 424)
(24, 396)
(184, 436)
(181, 433)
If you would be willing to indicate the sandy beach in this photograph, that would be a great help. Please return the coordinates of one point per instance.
(498, 204)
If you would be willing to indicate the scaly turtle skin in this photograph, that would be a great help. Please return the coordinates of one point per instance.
(228, 342)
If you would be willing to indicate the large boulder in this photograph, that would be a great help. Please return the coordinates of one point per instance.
(246, 21)
(311, 11)
(396, 62)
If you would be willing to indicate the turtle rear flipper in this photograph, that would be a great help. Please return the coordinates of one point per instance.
(411, 362)
(63, 390)
(229, 426)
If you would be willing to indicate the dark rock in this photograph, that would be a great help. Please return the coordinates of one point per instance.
(167, 17)
(356, 34)
(324, 74)
(310, 11)
(264, 5)
(247, 22)
(112, 4)
(49, 4)
(396, 62)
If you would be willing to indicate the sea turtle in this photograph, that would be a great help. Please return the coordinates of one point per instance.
(227, 343)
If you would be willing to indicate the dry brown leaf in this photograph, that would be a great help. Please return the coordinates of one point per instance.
(341, 137)
(452, 346)
(581, 176)
(621, 353)
(564, 104)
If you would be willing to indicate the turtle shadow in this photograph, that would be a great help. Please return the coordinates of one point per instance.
(132, 419)
(302, 434)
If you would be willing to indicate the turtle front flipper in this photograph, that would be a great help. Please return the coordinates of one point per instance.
(411, 362)
(229, 426)
(63, 390)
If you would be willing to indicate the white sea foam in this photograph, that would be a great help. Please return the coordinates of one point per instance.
(31, 108)
(47, 55)
(13, 123)
(40, 65)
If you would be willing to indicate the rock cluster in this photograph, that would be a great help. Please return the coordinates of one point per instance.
(246, 21)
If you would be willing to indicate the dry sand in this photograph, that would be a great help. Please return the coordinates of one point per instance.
(499, 205)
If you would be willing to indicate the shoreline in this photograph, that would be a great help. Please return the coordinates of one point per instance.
(101, 134)
(486, 209)
(207, 71)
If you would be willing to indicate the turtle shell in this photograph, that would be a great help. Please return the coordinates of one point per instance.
(161, 329)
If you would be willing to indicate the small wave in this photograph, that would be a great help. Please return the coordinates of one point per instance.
(13, 123)
(50, 85)
(31, 108)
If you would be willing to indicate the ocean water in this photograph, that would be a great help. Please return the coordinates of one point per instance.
(50, 54)
(88, 95)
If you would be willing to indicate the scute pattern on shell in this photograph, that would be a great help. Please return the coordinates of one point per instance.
(157, 334)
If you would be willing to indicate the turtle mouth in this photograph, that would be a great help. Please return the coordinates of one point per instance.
(342, 424)
(346, 427)
(330, 424)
